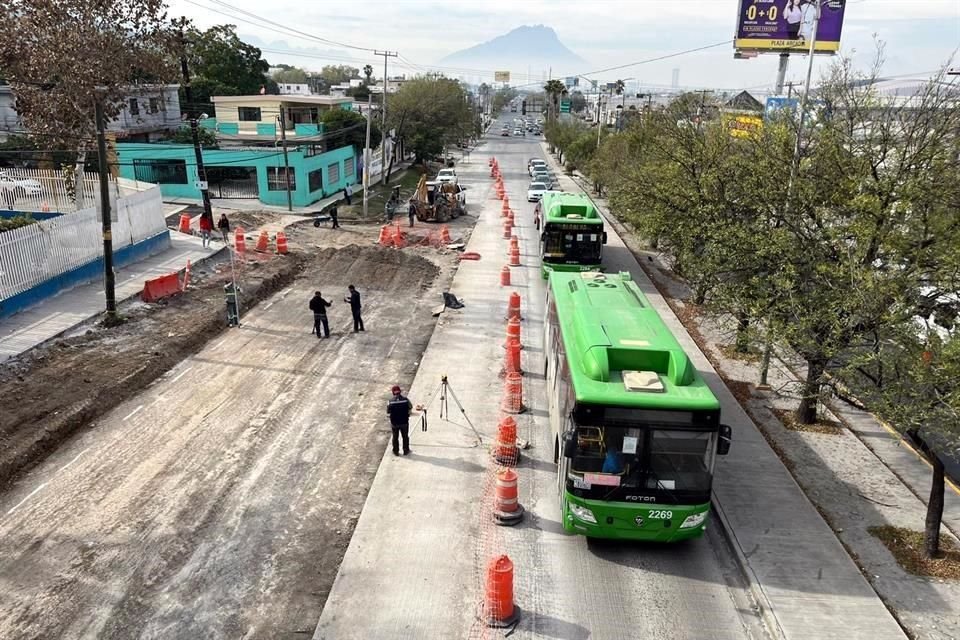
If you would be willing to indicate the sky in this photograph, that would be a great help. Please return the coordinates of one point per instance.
(919, 36)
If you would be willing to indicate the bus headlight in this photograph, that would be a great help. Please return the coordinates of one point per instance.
(694, 521)
(583, 513)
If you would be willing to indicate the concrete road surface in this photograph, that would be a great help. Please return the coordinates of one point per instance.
(217, 503)
(414, 565)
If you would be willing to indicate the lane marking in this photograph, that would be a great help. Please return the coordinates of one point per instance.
(217, 346)
(64, 467)
(158, 399)
(181, 374)
(133, 413)
(268, 305)
(32, 493)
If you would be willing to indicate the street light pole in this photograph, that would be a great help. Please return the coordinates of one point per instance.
(366, 156)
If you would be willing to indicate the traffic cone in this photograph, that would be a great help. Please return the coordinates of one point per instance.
(511, 358)
(444, 234)
(507, 511)
(398, 240)
(490, 161)
(506, 229)
(386, 239)
(498, 607)
(505, 277)
(512, 394)
(513, 330)
(281, 243)
(184, 223)
(263, 241)
(515, 257)
(505, 450)
(513, 306)
(240, 240)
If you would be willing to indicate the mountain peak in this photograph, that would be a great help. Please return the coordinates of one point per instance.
(525, 46)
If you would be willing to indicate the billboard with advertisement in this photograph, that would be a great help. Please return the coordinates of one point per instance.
(501, 76)
(779, 26)
(742, 125)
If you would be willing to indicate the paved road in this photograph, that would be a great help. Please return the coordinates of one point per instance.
(216, 503)
(423, 579)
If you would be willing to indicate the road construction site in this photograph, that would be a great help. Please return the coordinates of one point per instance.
(172, 478)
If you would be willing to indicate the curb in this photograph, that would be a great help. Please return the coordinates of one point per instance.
(766, 610)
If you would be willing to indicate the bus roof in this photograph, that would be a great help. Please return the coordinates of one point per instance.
(619, 350)
(563, 206)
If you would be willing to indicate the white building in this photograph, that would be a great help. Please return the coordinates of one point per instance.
(150, 113)
(393, 85)
(292, 89)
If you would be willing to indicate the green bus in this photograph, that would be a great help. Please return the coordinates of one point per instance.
(636, 430)
(572, 235)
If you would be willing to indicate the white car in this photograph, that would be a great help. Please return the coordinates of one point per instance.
(535, 166)
(18, 187)
(536, 190)
(447, 175)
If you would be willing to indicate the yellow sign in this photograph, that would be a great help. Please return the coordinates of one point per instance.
(501, 76)
(742, 126)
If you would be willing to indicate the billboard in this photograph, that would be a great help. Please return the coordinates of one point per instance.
(776, 104)
(501, 76)
(779, 26)
(741, 125)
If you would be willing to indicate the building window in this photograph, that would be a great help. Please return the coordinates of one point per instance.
(333, 173)
(154, 105)
(134, 107)
(161, 171)
(275, 181)
(248, 114)
(316, 180)
(348, 167)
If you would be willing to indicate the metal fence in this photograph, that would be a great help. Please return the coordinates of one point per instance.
(48, 190)
(35, 253)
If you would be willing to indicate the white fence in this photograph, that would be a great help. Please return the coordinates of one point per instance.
(35, 253)
(46, 190)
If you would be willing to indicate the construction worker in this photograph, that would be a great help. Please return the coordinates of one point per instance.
(399, 409)
(319, 307)
(353, 297)
(412, 211)
(232, 295)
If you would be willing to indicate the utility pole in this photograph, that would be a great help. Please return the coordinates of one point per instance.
(109, 281)
(194, 129)
(383, 115)
(599, 119)
(782, 73)
(790, 86)
(366, 156)
(286, 159)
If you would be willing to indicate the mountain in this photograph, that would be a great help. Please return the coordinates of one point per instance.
(536, 47)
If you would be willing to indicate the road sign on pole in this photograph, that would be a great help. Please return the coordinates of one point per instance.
(564, 106)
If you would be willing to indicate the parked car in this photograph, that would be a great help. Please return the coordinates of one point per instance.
(18, 186)
(505, 132)
(447, 175)
(536, 190)
(547, 178)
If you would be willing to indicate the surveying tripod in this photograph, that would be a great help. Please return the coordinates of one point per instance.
(446, 392)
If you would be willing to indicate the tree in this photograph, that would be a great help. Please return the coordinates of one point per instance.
(368, 74)
(577, 102)
(338, 74)
(342, 127)
(502, 98)
(554, 89)
(183, 135)
(360, 93)
(290, 75)
(429, 112)
(221, 64)
(58, 72)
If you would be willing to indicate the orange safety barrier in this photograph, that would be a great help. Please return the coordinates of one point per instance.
(505, 277)
(506, 229)
(184, 223)
(240, 240)
(281, 242)
(444, 234)
(513, 331)
(263, 241)
(515, 257)
(499, 610)
(161, 287)
(511, 358)
(505, 448)
(507, 511)
(513, 306)
(469, 255)
(512, 394)
(386, 238)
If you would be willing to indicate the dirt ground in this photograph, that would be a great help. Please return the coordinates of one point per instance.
(218, 501)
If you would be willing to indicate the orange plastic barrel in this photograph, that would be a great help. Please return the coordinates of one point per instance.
(499, 590)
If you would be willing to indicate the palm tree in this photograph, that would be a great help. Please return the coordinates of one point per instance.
(368, 71)
(619, 86)
(554, 89)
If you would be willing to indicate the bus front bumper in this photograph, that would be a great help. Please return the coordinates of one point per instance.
(625, 521)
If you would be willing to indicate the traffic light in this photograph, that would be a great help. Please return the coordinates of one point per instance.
(523, 108)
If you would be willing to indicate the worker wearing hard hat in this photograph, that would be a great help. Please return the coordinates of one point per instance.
(399, 409)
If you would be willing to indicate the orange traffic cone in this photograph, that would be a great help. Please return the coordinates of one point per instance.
(240, 240)
(512, 394)
(505, 449)
(511, 358)
(506, 228)
(507, 511)
(263, 241)
(513, 330)
(184, 223)
(281, 242)
(513, 306)
(515, 257)
(398, 240)
(499, 610)
(505, 277)
(444, 234)
(386, 238)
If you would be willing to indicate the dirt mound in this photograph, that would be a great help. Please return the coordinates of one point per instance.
(386, 270)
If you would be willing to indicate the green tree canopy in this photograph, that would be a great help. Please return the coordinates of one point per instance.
(222, 64)
(429, 112)
(342, 127)
(290, 75)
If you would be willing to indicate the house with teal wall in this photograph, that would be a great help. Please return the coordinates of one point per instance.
(246, 172)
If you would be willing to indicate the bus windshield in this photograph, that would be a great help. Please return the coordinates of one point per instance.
(645, 458)
(565, 245)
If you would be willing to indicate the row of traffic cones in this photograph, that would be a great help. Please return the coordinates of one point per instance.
(263, 242)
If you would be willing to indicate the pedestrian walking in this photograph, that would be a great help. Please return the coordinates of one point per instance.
(348, 193)
(319, 307)
(353, 297)
(334, 222)
(224, 226)
(412, 211)
(399, 409)
(206, 228)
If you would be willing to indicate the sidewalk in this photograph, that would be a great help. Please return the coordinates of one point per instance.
(862, 477)
(65, 311)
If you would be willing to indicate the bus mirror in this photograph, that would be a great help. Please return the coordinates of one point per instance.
(604, 237)
(723, 443)
(569, 444)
